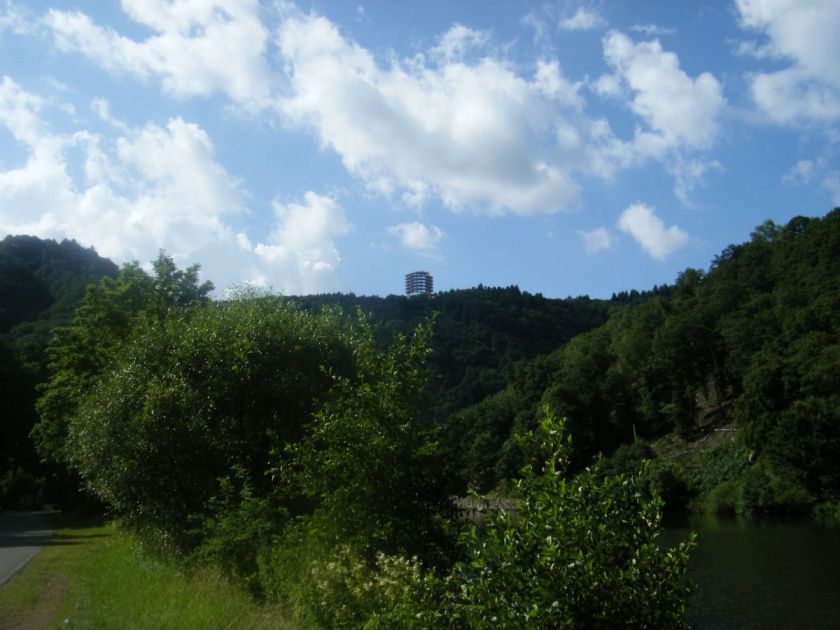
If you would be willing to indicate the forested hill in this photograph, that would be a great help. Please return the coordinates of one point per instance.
(41, 284)
(753, 341)
(479, 336)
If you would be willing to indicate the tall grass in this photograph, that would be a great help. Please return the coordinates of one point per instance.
(98, 577)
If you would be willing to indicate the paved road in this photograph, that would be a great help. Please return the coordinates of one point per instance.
(21, 536)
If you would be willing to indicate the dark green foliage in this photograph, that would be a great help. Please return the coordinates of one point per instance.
(662, 478)
(23, 297)
(41, 283)
(806, 442)
(17, 391)
(197, 397)
(235, 527)
(479, 336)
(110, 311)
(368, 456)
(289, 449)
(757, 337)
(577, 553)
(725, 463)
(728, 480)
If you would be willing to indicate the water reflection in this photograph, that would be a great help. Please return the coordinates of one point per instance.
(762, 574)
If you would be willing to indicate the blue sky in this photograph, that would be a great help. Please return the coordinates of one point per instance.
(568, 148)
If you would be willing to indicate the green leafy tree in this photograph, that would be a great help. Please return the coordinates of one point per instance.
(369, 457)
(198, 397)
(110, 310)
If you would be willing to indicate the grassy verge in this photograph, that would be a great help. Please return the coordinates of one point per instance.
(94, 576)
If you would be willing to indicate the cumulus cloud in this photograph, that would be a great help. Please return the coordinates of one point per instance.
(476, 135)
(155, 187)
(802, 33)
(649, 231)
(596, 240)
(302, 244)
(197, 49)
(152, 187)
(583, 20)
(680, 116)
(679, 112)
(417, 236)
(457, 123)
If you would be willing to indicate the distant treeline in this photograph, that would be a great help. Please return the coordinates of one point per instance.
(479, 335)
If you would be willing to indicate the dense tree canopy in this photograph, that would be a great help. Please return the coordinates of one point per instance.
(111, 308)
(479, 336)
(756, 335)
(207, 393)
(41, 284)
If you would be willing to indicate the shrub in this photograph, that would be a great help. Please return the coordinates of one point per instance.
(198, 396)
(238, 525)
(578, 552)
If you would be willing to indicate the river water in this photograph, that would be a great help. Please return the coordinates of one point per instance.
(762, 574)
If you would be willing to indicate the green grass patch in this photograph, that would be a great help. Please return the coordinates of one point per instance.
(95, 576)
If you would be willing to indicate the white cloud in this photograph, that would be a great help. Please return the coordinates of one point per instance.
(652, 29)
(596, 240)
(801, 173)
(15, 19)
(177, 194)
(302, 244)
(802, 33)
(476, 135)
(458, 41)
(583, 20)
(649, 231)
(417, 236)
(689, 174)
(538, 24)
(787, 96)
(819, 170)
(102, 108)
(608, 85)
(680, 112)
(198, 47)
(156, 187)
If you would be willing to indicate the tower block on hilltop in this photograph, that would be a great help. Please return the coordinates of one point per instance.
(419, 283)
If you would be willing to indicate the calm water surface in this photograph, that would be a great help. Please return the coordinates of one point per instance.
(762, 574)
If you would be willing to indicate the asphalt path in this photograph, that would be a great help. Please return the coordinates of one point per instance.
(22, 535)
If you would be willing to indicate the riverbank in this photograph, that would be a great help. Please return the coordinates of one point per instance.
(90, 574)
